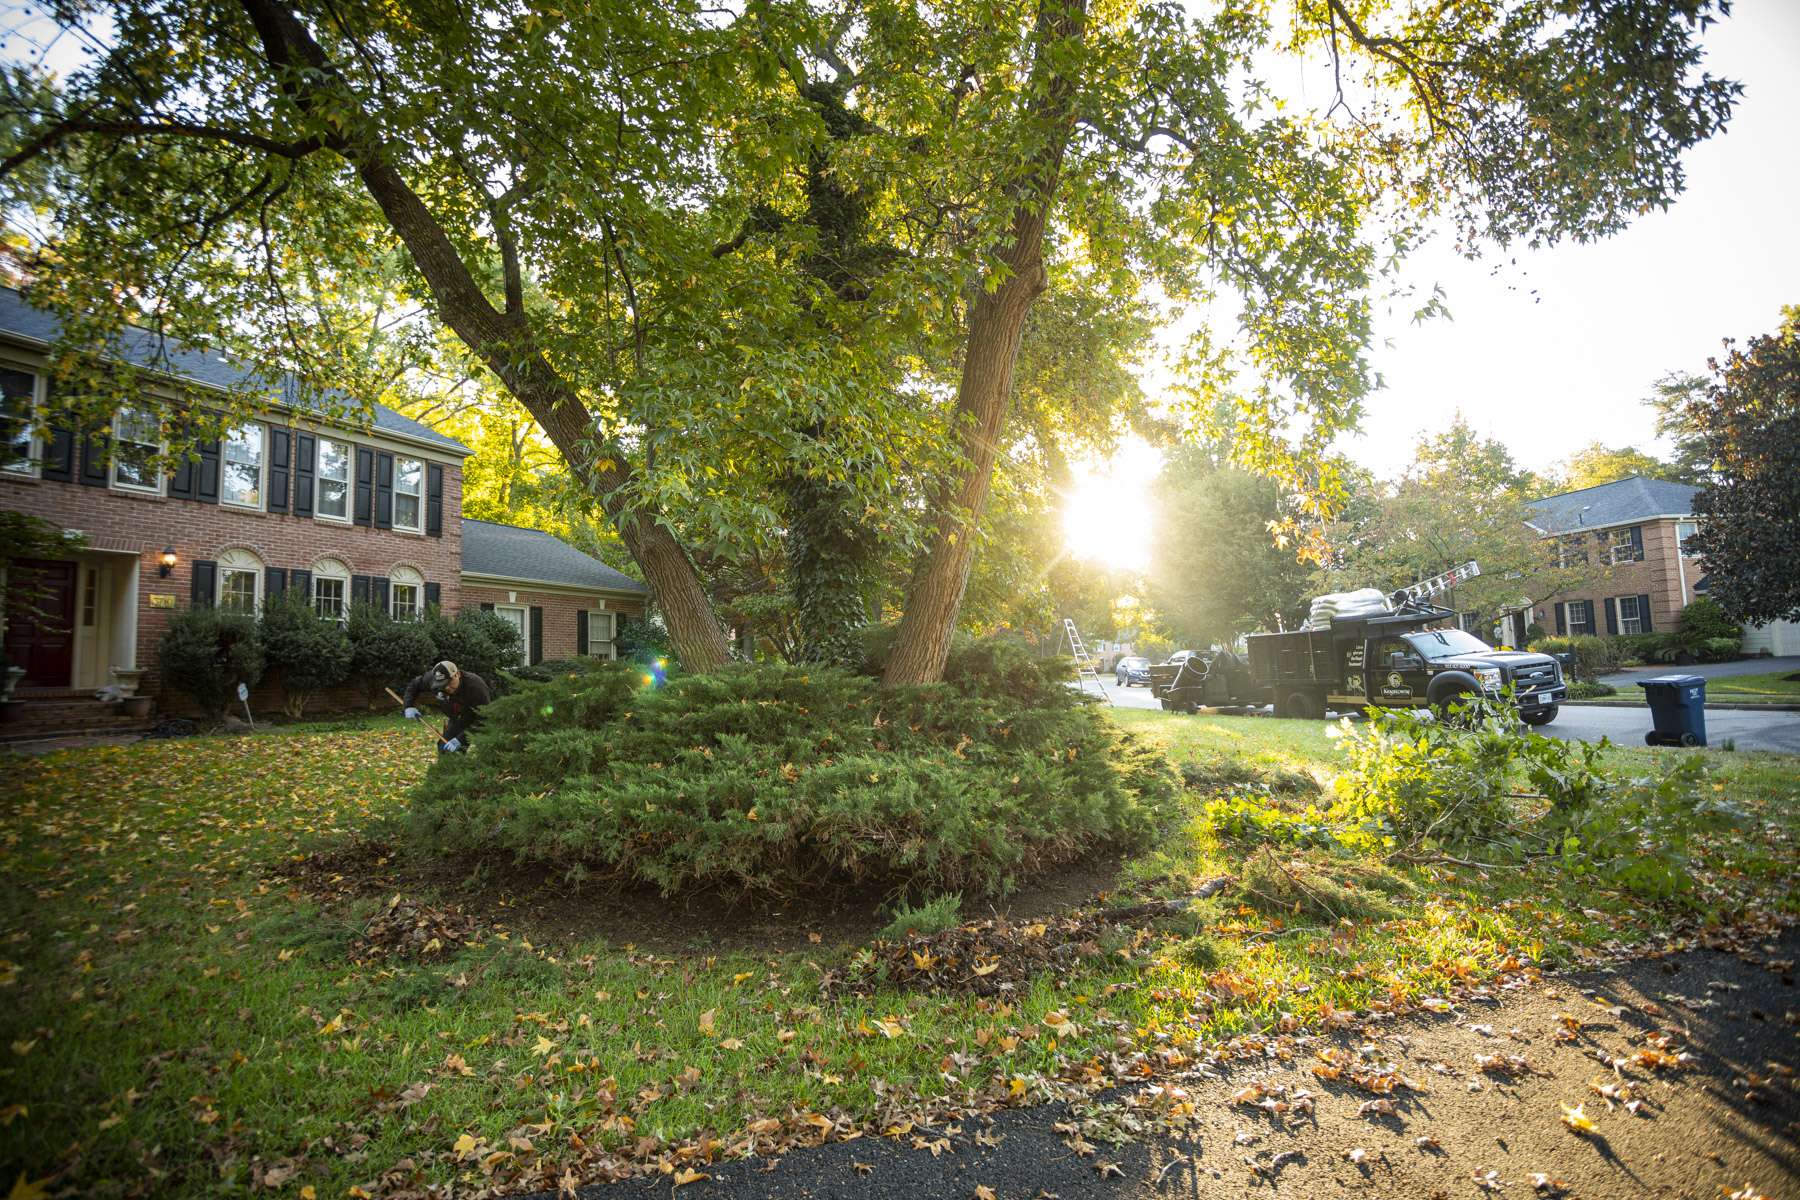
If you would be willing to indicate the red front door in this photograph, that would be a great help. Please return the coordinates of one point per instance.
(40, 621)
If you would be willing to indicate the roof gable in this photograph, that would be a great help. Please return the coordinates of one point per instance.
(143, 348)
(1634, 498)
(533, 556)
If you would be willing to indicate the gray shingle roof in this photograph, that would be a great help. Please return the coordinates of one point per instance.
(1635, 498)
(143, 348)
(531, 555)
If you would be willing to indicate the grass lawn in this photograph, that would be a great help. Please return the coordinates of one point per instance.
(185, 1016)
(1770, 687)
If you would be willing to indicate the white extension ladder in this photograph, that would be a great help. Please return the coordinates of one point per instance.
(1084, 662)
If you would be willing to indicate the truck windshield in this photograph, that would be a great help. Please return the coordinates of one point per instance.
(1445, 643)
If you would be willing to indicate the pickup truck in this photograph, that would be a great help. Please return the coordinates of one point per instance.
(1382, 661)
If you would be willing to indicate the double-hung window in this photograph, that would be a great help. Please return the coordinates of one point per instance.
(331, 588)
(1631, 615)
(1683, 531)
(241, 466)
(137, 444)
(1580, 621)
(1620, 547)
(406, 594)
(600, 634)
(240, 582)
(409, 494)
(332, 501)
(18, 408)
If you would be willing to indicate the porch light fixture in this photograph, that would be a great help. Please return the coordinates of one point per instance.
(168, 562)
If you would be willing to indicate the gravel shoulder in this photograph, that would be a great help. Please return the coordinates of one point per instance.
(1724, 1119)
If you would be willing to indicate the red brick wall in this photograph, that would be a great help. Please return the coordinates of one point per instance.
(1659, 576)
(559, 611)
(200, 530)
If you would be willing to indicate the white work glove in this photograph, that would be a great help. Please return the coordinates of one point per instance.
(411, 714)
(452, 746)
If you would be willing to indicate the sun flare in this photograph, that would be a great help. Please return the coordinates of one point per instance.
(1107, 514)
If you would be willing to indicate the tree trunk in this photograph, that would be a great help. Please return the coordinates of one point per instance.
(503, 341)
(996, 327)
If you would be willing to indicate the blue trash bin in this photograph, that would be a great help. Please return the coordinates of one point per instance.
(1677, 710)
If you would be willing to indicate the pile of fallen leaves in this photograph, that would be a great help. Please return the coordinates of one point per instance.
(984, 958)
(411, 929)
(354, 869)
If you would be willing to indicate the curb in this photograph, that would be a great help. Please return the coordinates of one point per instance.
(1710, 706)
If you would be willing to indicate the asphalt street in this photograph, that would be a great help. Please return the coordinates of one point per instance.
(1745, 730)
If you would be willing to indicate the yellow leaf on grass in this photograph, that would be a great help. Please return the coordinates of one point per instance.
(309, 1192)
(923, 961)
(891, 1027)
(987, 968)
(13, 1112)
(24, 1189)
(708, 1022)
(465, 1145)
(544, 1046)
(732, 1044)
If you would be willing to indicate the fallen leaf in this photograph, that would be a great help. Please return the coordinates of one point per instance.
(1577, 1120)
(708, 1019)
(688, 1175)
(1357, 1156)
(984, 1192)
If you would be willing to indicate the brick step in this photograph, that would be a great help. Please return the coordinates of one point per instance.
(57, 709)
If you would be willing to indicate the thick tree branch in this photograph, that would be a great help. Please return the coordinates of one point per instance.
(161, 127)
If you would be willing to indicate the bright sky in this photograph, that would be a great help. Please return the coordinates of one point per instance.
(1560, 349)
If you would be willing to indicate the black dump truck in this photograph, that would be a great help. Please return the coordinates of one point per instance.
(1387, 660)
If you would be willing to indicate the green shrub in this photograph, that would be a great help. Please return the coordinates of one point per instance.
(1410, 778)
(205, 654)
(311, 652)
(1582, 690)
(643, 641)
(551, 668)
(385, 653)
(1721, 649)
(1706, 618)
(1594, 656)
(787, 779)
(477, 641)
(933, 916)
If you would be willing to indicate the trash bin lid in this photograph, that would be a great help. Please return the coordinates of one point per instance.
(1671, 681)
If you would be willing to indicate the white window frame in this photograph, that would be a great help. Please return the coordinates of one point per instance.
(1633, 623)
(408, 578)
(1683, 531)
(112, 466)
(262, 467)
(419, 526)
(612, 633)
(237, 562)
(1570, 551)
(1620, 552)
(320, 480)
(524, 612)
(336, 571)
(1571, 610)
(33, 466)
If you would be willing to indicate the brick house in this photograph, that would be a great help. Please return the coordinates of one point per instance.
(1640, 527)
(296, 498)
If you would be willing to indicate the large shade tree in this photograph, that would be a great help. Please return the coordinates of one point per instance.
(609, 207)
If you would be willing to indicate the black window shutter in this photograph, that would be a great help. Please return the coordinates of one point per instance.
(205, 576)
(306, 447)
(359, 589)
(301, 581)
(581, 632)
(434, 500)
(365, 486)
(537, 634)
(181, 481)
(1562, 621)
(1588, 608)
(280, 466)
(274, 582)
(94, 460)
(378, 593)
(59, 456)
(434, 595)
(1637, 543)
(487, 608)
(1644, 612)
(384, 491)
(1612, 615)
(206, 486)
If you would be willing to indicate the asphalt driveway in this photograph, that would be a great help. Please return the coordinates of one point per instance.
(1746, 666)
(1746, 729)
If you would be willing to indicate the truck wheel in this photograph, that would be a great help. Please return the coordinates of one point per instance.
(1542, 716)
(1302, 706)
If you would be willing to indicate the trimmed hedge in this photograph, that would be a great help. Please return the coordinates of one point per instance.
(786, 779)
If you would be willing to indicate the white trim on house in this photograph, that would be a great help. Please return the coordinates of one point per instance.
(1609, 525)
(418, 497)
(33, 466)
(612, 633)
(320, 480)
(524, 611)
(261, 503)
(112, 459)
(477, 579)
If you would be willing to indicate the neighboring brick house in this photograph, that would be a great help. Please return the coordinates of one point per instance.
(1637, 527)
(346, 510)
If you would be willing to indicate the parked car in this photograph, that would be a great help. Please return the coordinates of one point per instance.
(1132, 669)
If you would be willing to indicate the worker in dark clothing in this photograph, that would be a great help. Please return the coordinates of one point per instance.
(459, 693)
